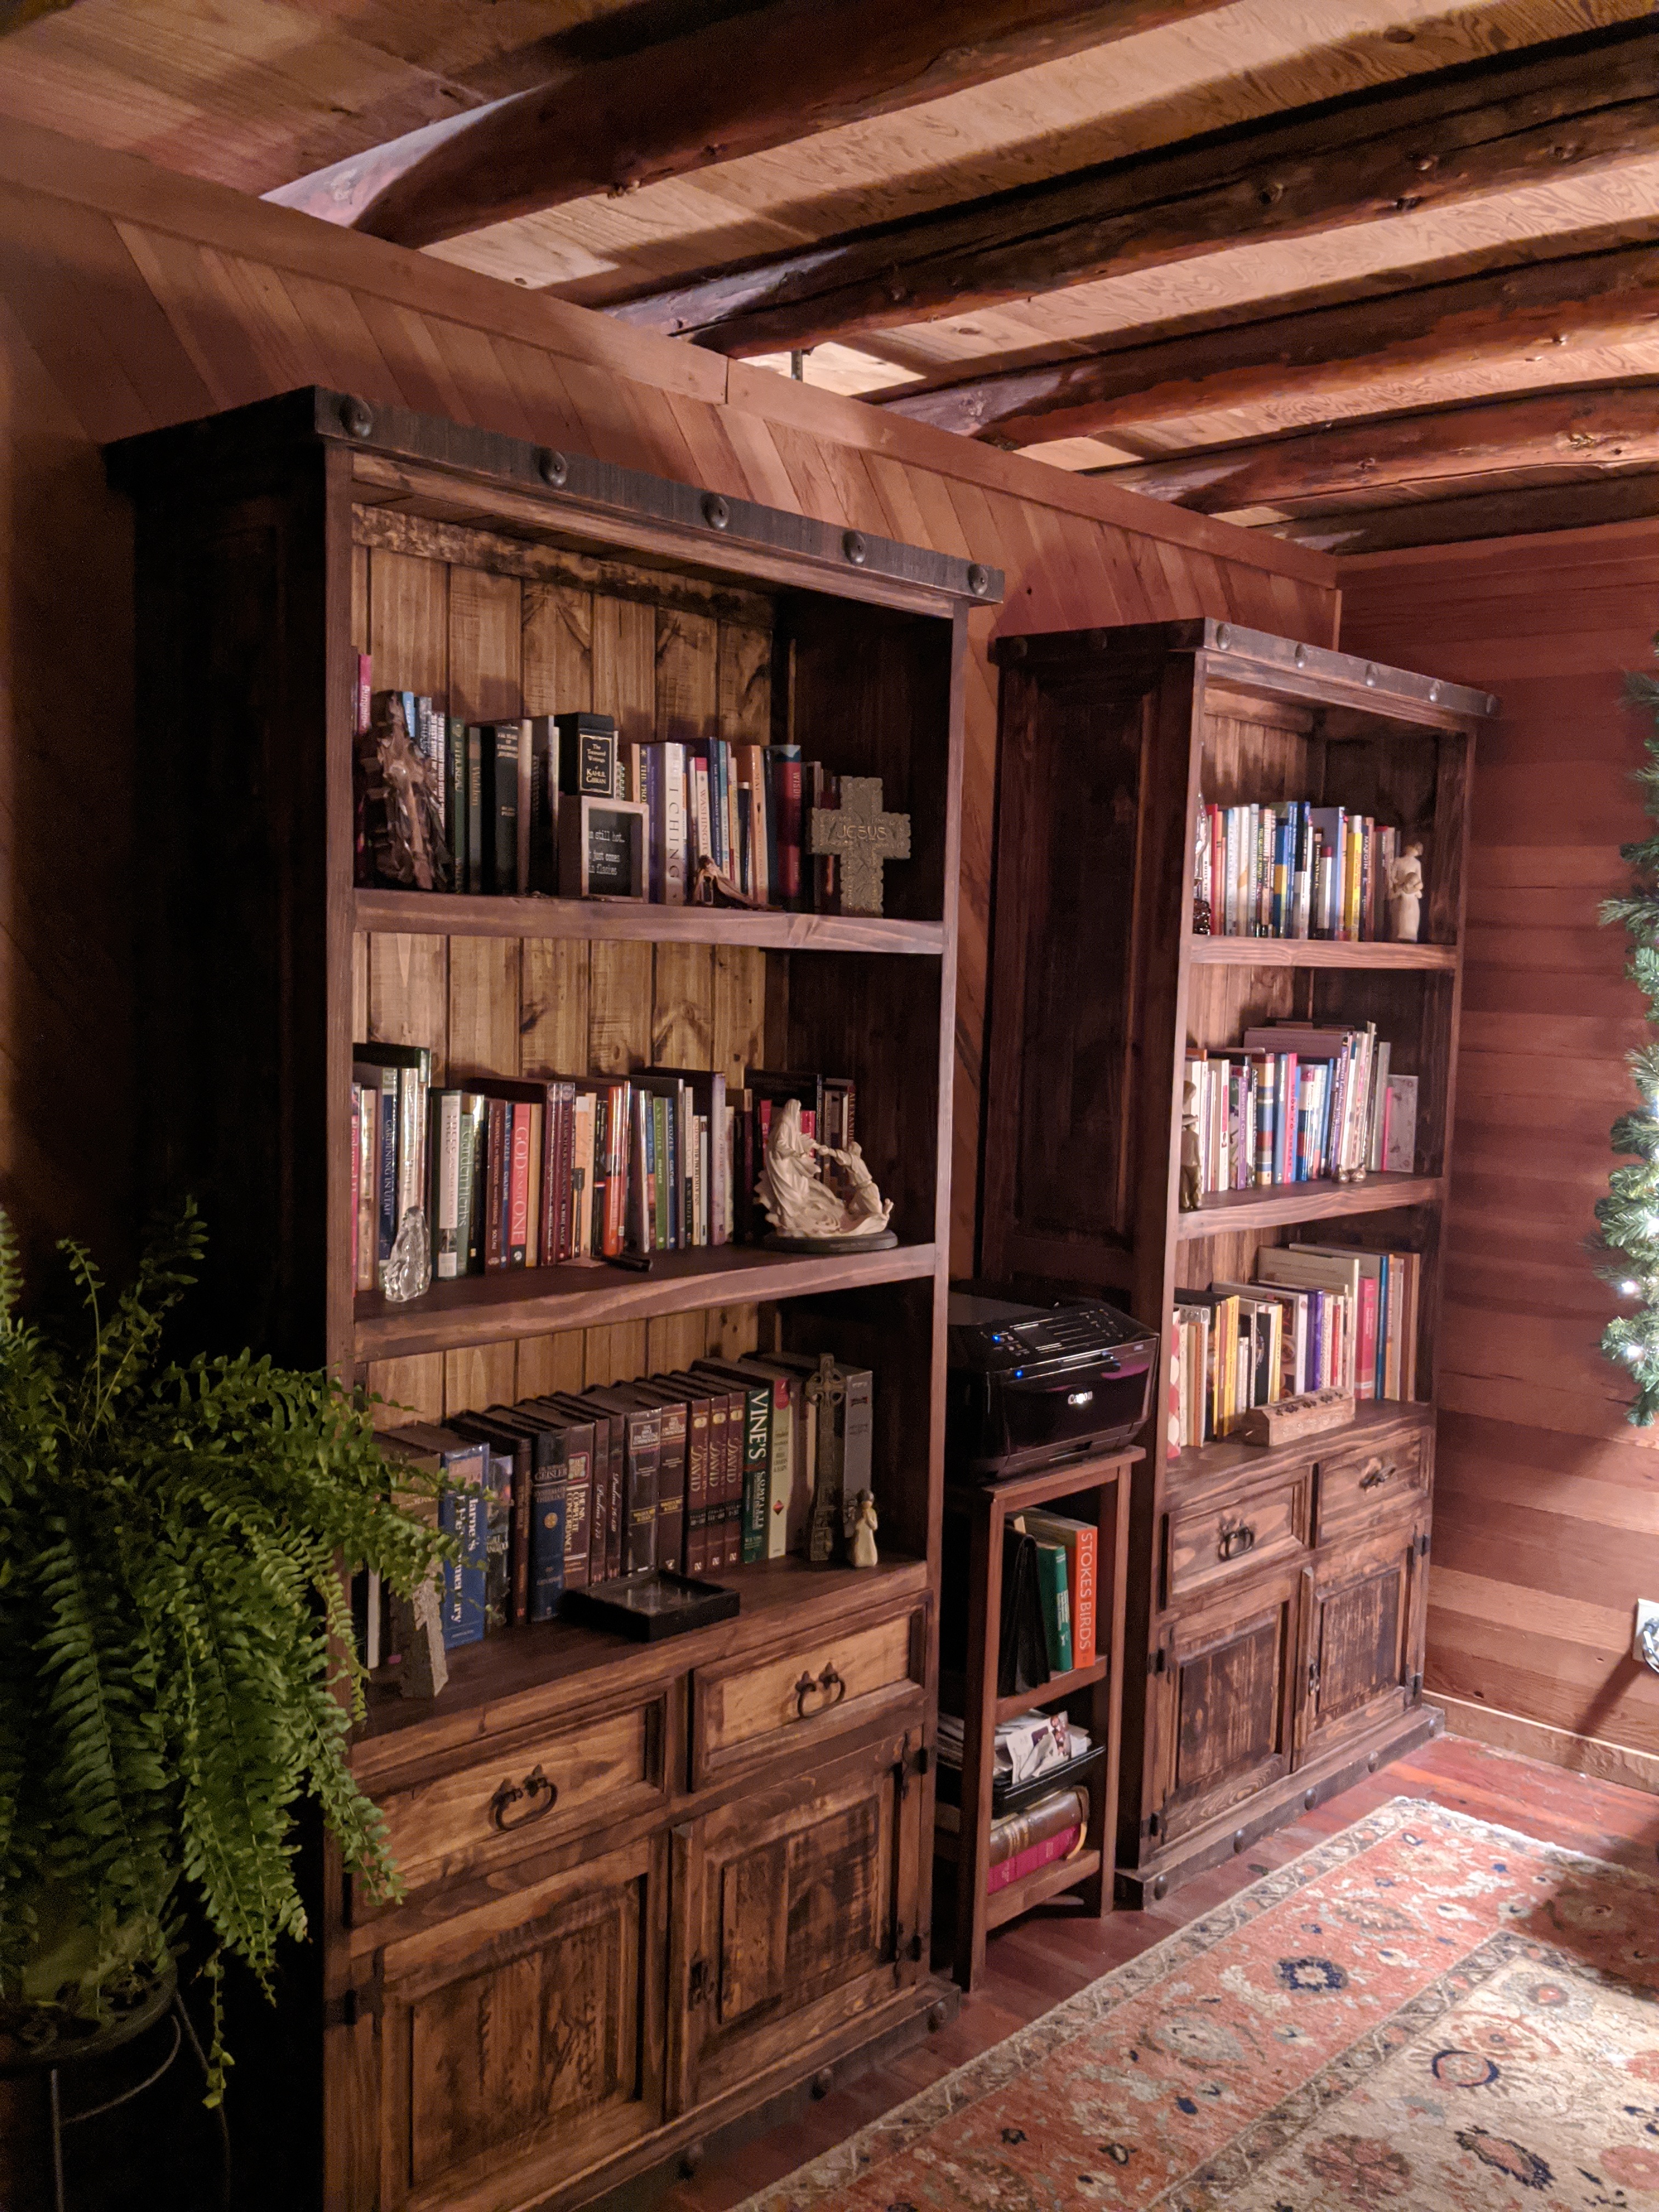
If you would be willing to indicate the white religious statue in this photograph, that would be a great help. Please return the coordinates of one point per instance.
(1405, 894)
(798, 1203)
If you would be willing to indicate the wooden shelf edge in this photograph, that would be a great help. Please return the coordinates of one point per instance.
(1280, 1205)
(1318, 952)
(445, 914)
(1036, 1888)
(1057, 1686)
(492, 1308)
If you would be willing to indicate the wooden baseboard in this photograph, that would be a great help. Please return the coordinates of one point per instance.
(1588, 1755)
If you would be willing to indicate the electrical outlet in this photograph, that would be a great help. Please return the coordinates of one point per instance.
(1646, 1641)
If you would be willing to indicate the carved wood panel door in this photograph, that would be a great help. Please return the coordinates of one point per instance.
(1222, 1693)
(801, 1911)
(1363, 1636)
(523, 2041)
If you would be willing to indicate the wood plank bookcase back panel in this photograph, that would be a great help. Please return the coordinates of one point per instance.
(1259, 1677)
(723, 1901)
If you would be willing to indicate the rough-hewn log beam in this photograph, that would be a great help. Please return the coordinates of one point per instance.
(1610, 427)
(760, 79)
(1507, 315)
(1515, 513)
(1562, 110)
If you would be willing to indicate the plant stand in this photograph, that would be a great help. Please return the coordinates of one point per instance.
(992, 1505)
(54, 2063)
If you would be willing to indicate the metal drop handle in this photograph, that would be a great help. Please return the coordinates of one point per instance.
(1235, 1542)
(535, 1792)
(1377, 1473)
(829, 1685)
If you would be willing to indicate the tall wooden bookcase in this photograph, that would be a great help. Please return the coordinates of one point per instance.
(728, 1892)
(1263, 1671)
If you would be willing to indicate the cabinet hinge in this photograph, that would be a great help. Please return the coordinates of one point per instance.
(919, 1945)
(1157, 1661)
(925, 1760)
(699, 1987)
(1313, 1678)
(1152, 1824)
(1421, 1546)
(353, 2005)
(1415, 1687)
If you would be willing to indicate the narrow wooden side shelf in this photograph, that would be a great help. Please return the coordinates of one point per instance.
(991, 1505)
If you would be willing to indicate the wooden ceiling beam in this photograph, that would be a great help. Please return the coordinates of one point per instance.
(781, 71)
(1607, 428)
(1520, 513)
(1505, 316)
(1564, 110)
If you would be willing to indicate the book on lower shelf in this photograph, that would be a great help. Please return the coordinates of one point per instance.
(1024, 1843)
(1320, 1316)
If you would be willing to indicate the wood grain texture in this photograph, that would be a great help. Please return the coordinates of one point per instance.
(1494, 125)
(202, 298)
(1545, 1534)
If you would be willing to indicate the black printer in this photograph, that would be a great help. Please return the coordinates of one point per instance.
(1029, 1386)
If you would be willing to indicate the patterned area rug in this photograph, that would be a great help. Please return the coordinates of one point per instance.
(1424, 2015)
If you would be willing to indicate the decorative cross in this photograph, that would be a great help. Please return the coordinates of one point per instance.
(862, 838)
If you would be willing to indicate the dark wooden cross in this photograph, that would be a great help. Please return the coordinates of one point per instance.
(862, 838)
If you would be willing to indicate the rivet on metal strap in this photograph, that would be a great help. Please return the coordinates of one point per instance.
(853, 545)
(715, 512)
(553, 466)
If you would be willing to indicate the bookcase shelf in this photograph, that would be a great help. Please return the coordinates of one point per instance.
(520, 1302)
(1256, 1674)
(686, 1788)
(594, 921)
(1280, 1205)
(1319, 952)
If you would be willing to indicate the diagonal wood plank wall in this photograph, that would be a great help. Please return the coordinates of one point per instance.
(130, 298)
(1546, 1513)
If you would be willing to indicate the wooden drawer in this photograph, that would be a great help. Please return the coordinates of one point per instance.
(797, 1694)
(467, 1818)
(1359, 1490)
(1228, 1534)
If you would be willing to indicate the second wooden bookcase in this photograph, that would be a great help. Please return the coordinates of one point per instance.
(1276, 1597)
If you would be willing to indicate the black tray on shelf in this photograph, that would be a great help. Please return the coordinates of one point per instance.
(1014, 1796)
(649, 1605)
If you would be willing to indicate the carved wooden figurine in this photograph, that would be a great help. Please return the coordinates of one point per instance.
(865, 1525)
(1405, 894)
(1192, 1191)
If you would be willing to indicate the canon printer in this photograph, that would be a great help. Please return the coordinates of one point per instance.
(1029, 1386)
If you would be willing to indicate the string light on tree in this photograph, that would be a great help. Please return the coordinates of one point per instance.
(1629, 1214)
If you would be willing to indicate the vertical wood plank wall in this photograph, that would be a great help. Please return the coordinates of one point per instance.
(130, 298)
(1547, 1502)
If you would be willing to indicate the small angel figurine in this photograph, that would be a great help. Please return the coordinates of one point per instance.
(863, 1531)
(1405, 894)
(1192, 1194)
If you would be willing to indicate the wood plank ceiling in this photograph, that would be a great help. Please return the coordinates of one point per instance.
(1362, 272)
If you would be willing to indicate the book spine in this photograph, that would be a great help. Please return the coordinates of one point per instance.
(697, 1487)
(388, 1230)
(549, 1527)
(496, 1156)
(671, 1487)
(541, 736)
(670, 824)
(450, 1258)
(1056, 1607)
(786, 795)
(644, 1449)
(475, 809)
(517, 1228)
(714, 1548)
(1032, 1859)
(780, 1472)
(505, 809)
(858, 1432)
(616, 1501)
(756, 1471)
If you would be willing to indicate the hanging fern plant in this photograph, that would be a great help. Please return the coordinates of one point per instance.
(176, 1647)
(1629, 1215)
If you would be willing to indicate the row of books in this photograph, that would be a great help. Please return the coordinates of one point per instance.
(502, 787)
(1296, 1103)
(727, 1463)
(1292, 869)
(536, 1173)
(1318, 1316)
(1068, 1567)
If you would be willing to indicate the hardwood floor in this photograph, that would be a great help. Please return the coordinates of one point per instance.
(1045, 1957)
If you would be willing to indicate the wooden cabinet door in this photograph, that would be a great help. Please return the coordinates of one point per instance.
(801, 1910)
(1223, 1691)
(1363, 1636)
(522, 2043)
